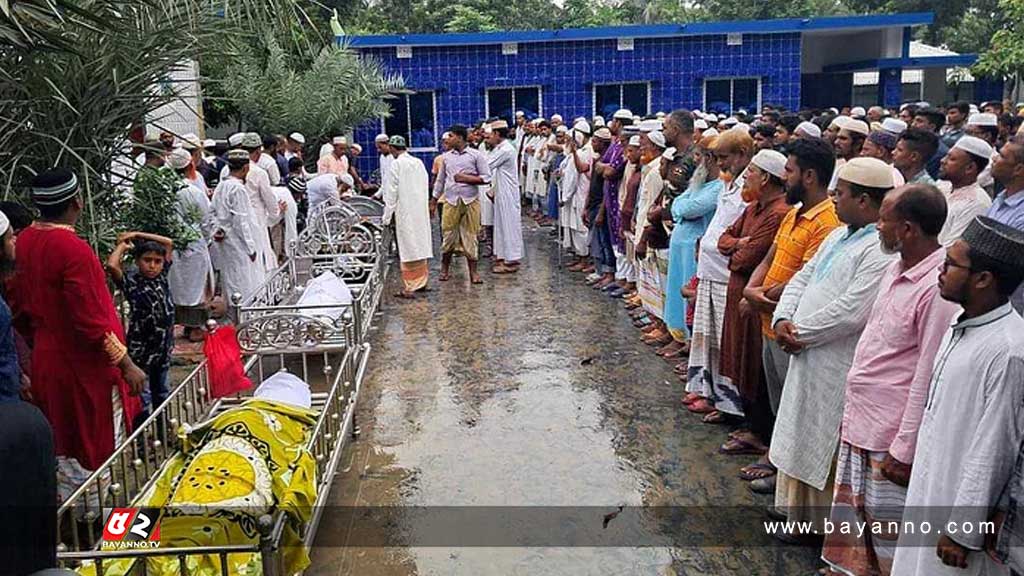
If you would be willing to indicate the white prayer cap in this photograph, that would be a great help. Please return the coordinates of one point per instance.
(657, 138)
(622, 114)
(669, 153)
(603, 133)
(709, 133)
(866, 171)
(209, 143)
(649, 125)
(983, 119)
(894, 126)
(834, 111)
(382, 138)
(637, 119)
(347, 179)
(297, 137)
(721, 117)
(190, 141)
(858, 112)
(357, 148)
(851, 125)
(973, 108)
(286, 388)
(488, 129)
(742, 111)
(729, 122)
(634, 140)
(974, 145)
(741, 126)
(598, 121)
(561, 129)
(5, 224)
(659, 115)
(235, 140)
(808, 129)
(771, 162)
(519, 114)
(556, 117)
(700, 124)
(582, 125)
(339, 140)
(178, 159)
(446, 135)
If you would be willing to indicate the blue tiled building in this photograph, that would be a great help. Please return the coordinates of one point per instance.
(717, 66)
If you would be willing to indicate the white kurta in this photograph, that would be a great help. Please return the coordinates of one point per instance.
(829, 300)
(320, 189)
(578, 207)
(566, 190)
(264, 208)
(191, 277)
(651, 184)
(406, 199)
(962, 205)
(486, 204)
(268, 163)
(290, 217)
(232, 211)
(968, 440)
(508, 224)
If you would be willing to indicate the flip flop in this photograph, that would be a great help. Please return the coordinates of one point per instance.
(690, 398)
(404, 296)
(715, 417)
(443, 277)
(701, 406)
(745, 472)
(735, 446)
(476, 281)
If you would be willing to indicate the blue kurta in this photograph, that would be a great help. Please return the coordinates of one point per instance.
(692, 212)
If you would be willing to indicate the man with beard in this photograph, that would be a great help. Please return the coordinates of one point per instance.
(887, 385)
(809, 166)
(848, 144)
(961, 167)
(818, 321)
(971, 430)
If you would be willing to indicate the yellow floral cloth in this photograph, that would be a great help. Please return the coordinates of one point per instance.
(246, 462)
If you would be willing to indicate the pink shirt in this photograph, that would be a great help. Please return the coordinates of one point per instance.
(329, 164)
(888, 382)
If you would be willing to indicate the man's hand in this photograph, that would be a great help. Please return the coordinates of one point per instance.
(282, 206)
(460, 178)
(741, 243)
(599, 220)
(895, 471)
(745, 308)
(433, 207)
(786, 335)
(755, 296)
(26, 388)
(951, 553)
(133, 376)
(252, 257)
(586, 220)
(992, 538)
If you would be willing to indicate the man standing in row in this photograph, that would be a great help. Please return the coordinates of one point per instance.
(406, 192)
(459, 176)
(508, 225)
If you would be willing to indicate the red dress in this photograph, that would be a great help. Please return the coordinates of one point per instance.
(62, 304)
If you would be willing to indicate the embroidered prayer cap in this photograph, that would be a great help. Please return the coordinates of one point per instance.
(631, 130)
(251, 141)
(190, 142)
(235, 140)
(865, 171)
(54, 186)
(5, 224)
(851, 125)
(974, 145)
(339, 140)
(983, 119)
(657, 138)
(397, 141)
(729, 122)
(634, 140)
(582, 126)
(297, 137)
(649, 126)
(858, 112)
(556, 118)
(178, 159)
(286, 388)
(237, 155)
(883, 138)
(622, 114)
(700, 124)
(808, 129)
(996, 240)
(894, 126)
(603, 133)
(499, 124)
(209, 143)
(669, 153)
(771, 162)
(598, 121)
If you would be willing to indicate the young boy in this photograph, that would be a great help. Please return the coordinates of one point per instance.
(297, 186)
(151, 321)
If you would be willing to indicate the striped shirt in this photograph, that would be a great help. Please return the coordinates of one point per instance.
(797, 240)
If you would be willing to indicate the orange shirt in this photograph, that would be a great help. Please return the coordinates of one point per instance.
(796, 242)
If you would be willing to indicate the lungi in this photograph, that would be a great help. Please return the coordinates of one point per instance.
(414, 274)
(460, 224)
(863, 497)
(649, 285)
(703, 375)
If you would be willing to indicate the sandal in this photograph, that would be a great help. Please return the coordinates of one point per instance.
(715, 417)
(750, 473)
(682, 368)
(404, 296)
(735, 446)
(443, 277)
(701, 406)
(691, 397)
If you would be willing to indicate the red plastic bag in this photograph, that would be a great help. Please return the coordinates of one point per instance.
(224, 363)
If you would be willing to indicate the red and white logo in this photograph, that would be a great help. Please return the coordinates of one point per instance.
(132, 528)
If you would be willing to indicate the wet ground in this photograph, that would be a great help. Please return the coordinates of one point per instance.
(527, 412)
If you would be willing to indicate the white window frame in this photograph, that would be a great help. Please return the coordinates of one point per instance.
(732, 90)
(593, 94)
(487, 99)
(408, 119)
